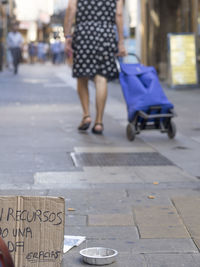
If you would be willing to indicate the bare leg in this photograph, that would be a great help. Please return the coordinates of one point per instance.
(101, 96)
(82, 88)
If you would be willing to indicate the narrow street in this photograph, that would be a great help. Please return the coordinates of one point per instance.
(140, 198)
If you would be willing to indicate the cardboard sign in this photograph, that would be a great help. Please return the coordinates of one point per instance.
(33, 229)
(182, 57)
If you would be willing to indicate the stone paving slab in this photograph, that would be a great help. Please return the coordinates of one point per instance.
(163, 174)
(73, 259)
(162, 190)
(110, 220)
(197, 242)
(87, 201)
(184, 158)
(11, 178)
(121, 173)
(140, 197)
(104, 232)
(147, 246)
(187, 208)
(92, 177)
(172, 260)
(114, 149)
(109, 175)
(75, 220)
(132, 189)
(21, 191)
(116, 175)
(159, 222)
(196, 138)
(122, 246)
(37, 187)
(163, 195)
(164, 246)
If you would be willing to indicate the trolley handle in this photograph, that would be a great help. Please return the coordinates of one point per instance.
(129, 54)
(135, 55)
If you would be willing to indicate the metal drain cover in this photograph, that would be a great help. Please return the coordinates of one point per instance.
(119, 159)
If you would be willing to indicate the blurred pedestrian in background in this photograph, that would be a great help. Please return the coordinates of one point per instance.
(9, 59)
(41, 52)
(46, 50)
(1, 56)
(25, 54)
(56, 50)
(62, 53)
(94, 48)
(15, 44)
(32, 51)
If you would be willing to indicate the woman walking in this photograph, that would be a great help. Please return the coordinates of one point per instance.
(94, 48)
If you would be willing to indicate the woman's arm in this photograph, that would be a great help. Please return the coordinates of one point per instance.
(68, 22)
(119, 23)
(70, 16)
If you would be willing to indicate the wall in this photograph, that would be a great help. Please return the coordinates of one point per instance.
(157, 19)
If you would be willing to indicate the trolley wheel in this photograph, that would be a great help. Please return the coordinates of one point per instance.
(130, 132)
(171, 130)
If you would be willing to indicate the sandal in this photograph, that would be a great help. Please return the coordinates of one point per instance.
(84, 125)
(95, 131)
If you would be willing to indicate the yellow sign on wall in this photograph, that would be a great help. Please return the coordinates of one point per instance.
(183, 59)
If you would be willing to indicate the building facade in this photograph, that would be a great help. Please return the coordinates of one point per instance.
(34, 17)
(157, 18)
(7, 16)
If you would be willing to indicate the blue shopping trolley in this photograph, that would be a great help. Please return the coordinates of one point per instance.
(147, 104)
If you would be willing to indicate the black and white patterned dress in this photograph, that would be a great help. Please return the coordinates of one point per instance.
(94, 40)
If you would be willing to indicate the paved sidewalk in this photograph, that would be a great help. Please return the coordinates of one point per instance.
(140, 198)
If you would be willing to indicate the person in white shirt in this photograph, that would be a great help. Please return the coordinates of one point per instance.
(15, 42)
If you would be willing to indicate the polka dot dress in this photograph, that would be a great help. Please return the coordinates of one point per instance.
(94, 41)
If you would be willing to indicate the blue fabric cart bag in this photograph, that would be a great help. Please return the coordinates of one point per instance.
(142, 89)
